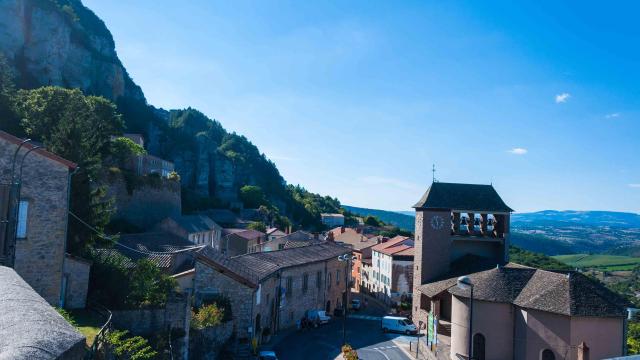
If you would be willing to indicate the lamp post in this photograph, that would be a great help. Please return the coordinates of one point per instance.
(346, 258)
(464, 283)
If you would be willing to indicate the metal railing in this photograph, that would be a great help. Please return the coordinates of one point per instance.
(100, 341)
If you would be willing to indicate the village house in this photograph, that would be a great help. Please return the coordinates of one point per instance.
(198, 229)
(147, 164)
(392, 269)
(33, 226)
(332, 220)
(518, 312)
(295, 239)
(360, 245)
(274, 233)
(272, 289)
(240, 241)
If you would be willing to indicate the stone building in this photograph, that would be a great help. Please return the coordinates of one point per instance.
(147, 164)
(37, 251)
(526, 313)
(240, 241)
(361, 246)
(332, 220)
(295, 239)
(198, 229)
(273, 289)
(518, 312)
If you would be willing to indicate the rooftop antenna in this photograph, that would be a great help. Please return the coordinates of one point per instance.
(433, 170)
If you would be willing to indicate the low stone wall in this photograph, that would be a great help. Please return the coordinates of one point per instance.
(76, 273)
(207, 343)
(149, 321)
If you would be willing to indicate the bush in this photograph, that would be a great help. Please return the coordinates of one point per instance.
(128, 347)
(173, 176)
(348, 353)
(206, 316)
(258, 226)
(65, 314)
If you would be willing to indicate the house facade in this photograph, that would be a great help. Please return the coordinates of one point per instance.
(148, 164)
(38, 218)
(198, 229)
(392, 269)
(273, 289)
(360, 246)
(240, 241)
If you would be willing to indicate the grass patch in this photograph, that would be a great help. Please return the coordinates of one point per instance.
(600, 262)
(88, 323)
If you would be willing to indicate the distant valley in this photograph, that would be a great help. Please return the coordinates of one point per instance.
(554, 232)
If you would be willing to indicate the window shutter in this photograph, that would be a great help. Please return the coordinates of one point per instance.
(23, 210)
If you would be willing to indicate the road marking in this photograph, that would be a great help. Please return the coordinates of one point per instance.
(365, 317)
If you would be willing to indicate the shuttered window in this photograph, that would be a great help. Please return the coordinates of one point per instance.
(23, 212)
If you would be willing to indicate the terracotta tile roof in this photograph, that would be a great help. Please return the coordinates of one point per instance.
(356, 240)
(16, 140)
(257, 266)
(244, 233)
(565, 293)
(406, 250)
(462, 197)
(391, 243)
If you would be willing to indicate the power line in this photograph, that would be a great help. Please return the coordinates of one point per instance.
(111, 238)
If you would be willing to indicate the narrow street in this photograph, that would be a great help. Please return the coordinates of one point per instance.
(363, 334)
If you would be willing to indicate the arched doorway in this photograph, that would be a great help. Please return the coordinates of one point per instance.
(547, 355)
(478, 347)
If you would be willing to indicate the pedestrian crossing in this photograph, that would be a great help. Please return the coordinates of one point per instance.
(364, 317)
(383, 347)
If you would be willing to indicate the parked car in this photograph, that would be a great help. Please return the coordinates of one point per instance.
(319, 316)
(355, 304)
(267, 355)
(398, 324)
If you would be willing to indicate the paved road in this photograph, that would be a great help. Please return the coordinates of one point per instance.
(363, 333)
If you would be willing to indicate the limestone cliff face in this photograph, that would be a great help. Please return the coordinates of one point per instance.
(67, 46)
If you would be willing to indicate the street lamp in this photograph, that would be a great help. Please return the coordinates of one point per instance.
(464, 283)
(346, 258)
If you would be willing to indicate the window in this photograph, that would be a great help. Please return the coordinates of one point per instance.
(280, 246)
(305, 282)
(547, 355)
(258, 293)
(23, 211)
(318, 279)
(329, 281)
(289, 286)
(337, 277)
(478, 347)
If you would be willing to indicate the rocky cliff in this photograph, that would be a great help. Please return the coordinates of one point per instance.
(62, 43)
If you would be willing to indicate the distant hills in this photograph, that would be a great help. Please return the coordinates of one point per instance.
(554, 232)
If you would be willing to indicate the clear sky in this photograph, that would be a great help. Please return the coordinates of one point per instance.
(358, 99)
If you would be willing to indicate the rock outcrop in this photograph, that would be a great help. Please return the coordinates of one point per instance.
(67, 46)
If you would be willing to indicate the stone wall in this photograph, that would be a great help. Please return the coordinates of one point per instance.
(175, 315)
(147, 204)
(210, 281)
(76, 272)
(206, 343)
(39, 256)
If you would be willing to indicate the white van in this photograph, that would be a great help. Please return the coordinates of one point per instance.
(398, 324)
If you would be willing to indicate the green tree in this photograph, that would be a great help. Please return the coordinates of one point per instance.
(372, 221)
(206, 316)
(123, 149)
(633, 338)
(8, 118)
(149, 286)
(258, 226)
(128, 347)
(252, 196)
(78, 128)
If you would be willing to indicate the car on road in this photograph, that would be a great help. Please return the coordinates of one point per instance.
(319, 316)
(398, 324)
(267, 355)
(355, 304)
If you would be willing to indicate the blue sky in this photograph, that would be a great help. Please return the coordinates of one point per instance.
(357, 99)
